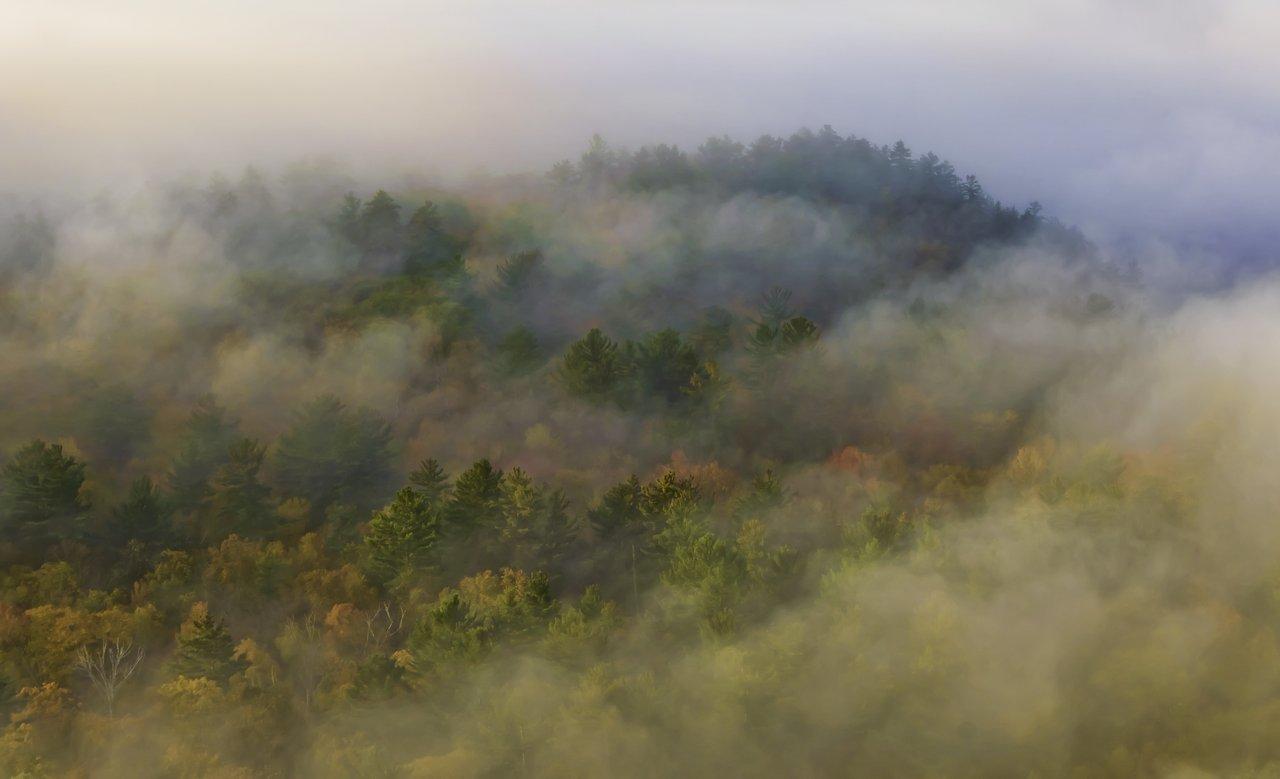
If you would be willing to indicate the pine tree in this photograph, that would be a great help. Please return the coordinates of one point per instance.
(778, 330)
(205, 648)
(599, 163)
(402, 536)
(207, 436)
(430, 481)
(971, 189)
(766, 493)
(665, 366)
(667, 493)
(775, 306)
(380, 229)
(237, 501)
(332, 454)
(347, 223)
(593, 368)
(518, 272)
(519, 352)
(141, 517)
(40, 497)
(474, 505)
(618, 515)
(428, 248)
(535, 528)
(900, 156)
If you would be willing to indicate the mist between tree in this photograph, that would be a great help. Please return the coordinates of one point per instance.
(802, 457)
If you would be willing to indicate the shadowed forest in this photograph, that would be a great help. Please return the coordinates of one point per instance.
(800, 457)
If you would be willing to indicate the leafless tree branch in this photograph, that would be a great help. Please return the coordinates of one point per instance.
(109, 667)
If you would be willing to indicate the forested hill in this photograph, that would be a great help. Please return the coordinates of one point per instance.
(657, 463)
(922, 199)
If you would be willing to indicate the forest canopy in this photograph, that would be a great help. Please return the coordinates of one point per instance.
(805, 456)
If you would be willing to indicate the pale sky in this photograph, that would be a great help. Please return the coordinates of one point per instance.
(1147, 115)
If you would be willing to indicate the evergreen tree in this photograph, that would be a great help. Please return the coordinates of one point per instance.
(593, 368)
(535, 529)
(971, 189)
(714, 333)
(378, 678)
(519, 352)
(347, 223)
(237, 501)
(661, 167)
(205, 648)
(450, 632)
(474, 504)
(619, 514)
(332, 454)
(380, 229)
(665, 366)
(581, 631)
(428, 248)
(778, 330)
(402, 536)
(465, 623)
(430, 481)
(900, 157)
(600, 163)
(205, 440)
(775, 306)
(668, 493)
(40, 497)
(518, 272)
(141, 517)
(766, 493)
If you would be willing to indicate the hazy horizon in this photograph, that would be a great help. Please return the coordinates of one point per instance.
(1127, 117)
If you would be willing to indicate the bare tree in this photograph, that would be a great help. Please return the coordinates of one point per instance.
(109, 667)
(384, 625)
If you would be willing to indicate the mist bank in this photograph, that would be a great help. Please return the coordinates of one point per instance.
(1165, 123)
(806, 456)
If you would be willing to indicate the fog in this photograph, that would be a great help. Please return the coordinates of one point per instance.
(375, 445)
(1126, 116)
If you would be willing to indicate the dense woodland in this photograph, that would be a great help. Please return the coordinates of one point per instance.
(802, 457)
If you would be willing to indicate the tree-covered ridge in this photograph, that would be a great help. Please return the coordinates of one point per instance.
(887, 183)
(788, 458)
